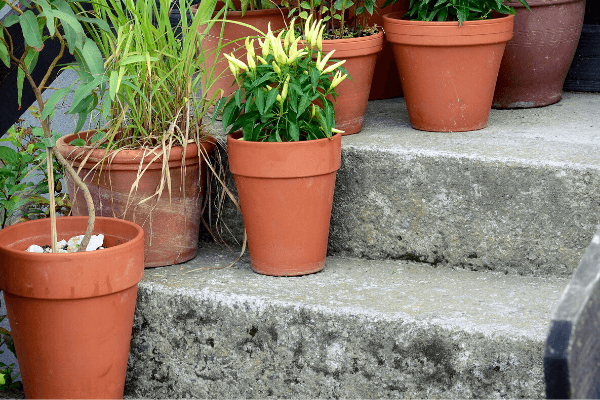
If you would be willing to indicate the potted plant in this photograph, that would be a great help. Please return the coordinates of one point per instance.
(235, 21)
(538, 57)
(346, 31)
(147, 157)
(71, 314)
(448, 54)
(283, 152)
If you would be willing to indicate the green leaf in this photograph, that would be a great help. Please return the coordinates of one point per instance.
(8, 155)
(305, 5)
(238, 97)
(260, 99)
(30, 62)
(10, 20)
(4, 56)
(77, 142)
(93, 58)
(55, 98)
(206, 9)
(100, 22)
(30, 29)
(271, 98)
(229, 113)
(314, 77)
(218, 107)
(294, 130)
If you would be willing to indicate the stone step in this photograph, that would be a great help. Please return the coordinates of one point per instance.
(520, 196)
(358, 329)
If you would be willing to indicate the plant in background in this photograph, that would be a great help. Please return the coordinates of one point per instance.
(148, 89)
(251, 4)
(342, 18)
(456, 10)
(42, 20)
(285, 88)
(7, 378)
(24, 180)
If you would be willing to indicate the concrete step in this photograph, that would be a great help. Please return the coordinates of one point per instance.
(359, 329)
(520, 196)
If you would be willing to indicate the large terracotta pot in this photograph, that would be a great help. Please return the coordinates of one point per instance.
(448, 71)
(234, 36)
(286, 195)
(71, 314)
(538, 57)
(171, 223)
(360, 55)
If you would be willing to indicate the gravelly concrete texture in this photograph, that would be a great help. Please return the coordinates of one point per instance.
(520, 196)
(359, 329)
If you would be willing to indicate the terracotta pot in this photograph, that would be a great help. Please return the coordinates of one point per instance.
(71, 314)
(360, 55)
(234, 36)
(386, 82)
(538, 57)
(448, 71)
(171, 223)
(286, 194)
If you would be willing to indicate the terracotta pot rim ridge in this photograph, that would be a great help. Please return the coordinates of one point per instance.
(130, 156)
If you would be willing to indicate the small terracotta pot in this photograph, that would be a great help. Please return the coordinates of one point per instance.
(448, 71)
(537, 59)
(171, 223)
(386, 82)
(234, 36)
(286, 194)
(360, 55)
(71, 314)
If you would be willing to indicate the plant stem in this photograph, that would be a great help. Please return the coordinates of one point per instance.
(50, 169)
(37, 90)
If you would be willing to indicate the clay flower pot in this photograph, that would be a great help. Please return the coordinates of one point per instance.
(71, 314)
(386, 82)
(171, 224)
(286, 194)
(448, 71)
(234, 36)
(360, 55)
(538, 57)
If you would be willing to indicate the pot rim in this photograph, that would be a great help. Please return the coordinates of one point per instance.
(447, 33)
(283, 159)
(135, 157)
(21, 272)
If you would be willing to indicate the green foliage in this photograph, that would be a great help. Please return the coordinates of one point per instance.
(285, 89)
(148, 90)
(7, 377)
(50, 19)
(251, 5)
(456, 10)
(23, 178)
(343, 18)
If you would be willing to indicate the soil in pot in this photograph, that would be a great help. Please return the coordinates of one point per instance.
(448, 71)
(71, 315)
(538, 57)
(286, 195)
(171, 223)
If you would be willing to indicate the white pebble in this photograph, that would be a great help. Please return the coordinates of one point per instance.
(34, 248)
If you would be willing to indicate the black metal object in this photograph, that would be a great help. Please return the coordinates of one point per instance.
(572, 357)
(584, 75)
(10, 111)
